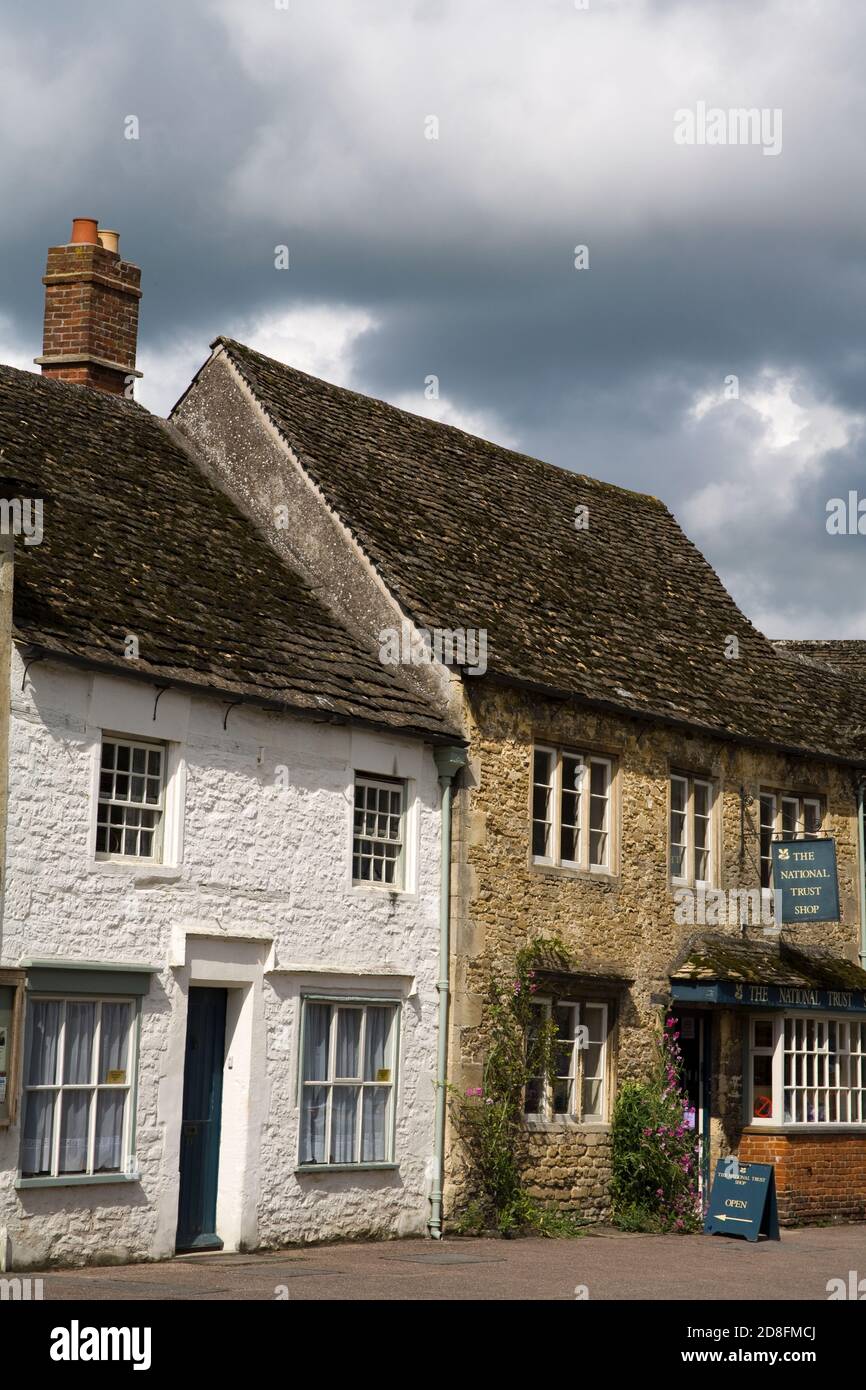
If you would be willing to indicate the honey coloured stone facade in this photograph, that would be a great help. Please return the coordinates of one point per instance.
(614, 638)
(622, 926)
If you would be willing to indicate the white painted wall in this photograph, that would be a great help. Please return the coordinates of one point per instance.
(256, 896)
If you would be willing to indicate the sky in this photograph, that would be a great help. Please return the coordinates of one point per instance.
(432, 167)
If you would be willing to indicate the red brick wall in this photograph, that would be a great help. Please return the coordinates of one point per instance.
(91, 306)
(819, 1177)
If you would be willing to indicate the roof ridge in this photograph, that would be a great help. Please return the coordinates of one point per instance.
(516, 454)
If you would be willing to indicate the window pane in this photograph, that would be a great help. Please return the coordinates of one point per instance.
(313, 1109)
(78, 1050)
(348, 1042)
(542, 803)
(598, 800)
(764, 1032)
(113, 1043)
(110, 1111)
(344, 1114)
(592, 1099)
(374, 1148)
(768, 817)
(376, 1044)
(317, 1025)
(44, 1032)
(762, 1087)
(74, 1119)
(38, 1132)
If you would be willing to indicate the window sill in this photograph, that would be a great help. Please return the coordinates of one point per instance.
(78, 1180)
(812, 1129)
(137, 868)
(559, 1124)
(346, 1168)
(385, 890)
(567, 871)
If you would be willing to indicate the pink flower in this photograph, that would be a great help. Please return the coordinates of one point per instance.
(474, 1091)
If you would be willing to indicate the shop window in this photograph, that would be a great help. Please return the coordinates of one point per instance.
(348, 1081)
(572, 820)
(579, 1088)
(807, 1071)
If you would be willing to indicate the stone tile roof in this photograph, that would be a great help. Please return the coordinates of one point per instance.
(714, 956)
(626, 614)
(847, 656)
(138, 541)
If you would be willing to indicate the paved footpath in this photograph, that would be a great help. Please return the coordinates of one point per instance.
(607, 1264)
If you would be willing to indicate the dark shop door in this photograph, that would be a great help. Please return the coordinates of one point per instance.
(202, 1112)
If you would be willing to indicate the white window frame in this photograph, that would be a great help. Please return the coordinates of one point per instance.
(159, 831)
(586, 761)
(130, 1087)
(782, 802)
(392, 1053)
(856, 1093)
(690, 781)
(390, 784)
(577, 1073)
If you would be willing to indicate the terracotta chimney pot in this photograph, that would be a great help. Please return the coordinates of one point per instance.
(84, 232)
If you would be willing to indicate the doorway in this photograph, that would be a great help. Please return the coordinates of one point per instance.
(695, 1039)
(201, 1121)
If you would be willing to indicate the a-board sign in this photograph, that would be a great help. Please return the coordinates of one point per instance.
(743, 1201)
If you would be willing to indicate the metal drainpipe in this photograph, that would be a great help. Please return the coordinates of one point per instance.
(449, 762)
(861, 875)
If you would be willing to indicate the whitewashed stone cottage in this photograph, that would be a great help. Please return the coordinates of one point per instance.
(221, 891)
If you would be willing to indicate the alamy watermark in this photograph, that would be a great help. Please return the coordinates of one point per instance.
(739, 125)
(727, 907)
(458, 646)
(22, 516)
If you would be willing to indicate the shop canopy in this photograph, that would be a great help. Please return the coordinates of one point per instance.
(771, 974)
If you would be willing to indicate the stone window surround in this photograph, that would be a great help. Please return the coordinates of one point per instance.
(692, 775)
(174, 791)
(585, 750)
(550, 1123)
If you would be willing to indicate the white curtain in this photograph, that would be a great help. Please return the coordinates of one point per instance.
(378, 1021)
(348, 1042)
(113, 1040)
(344, 1110)
(74, 1119)
(317, 1027)
(38, 1129)
(110, 1108)
(78, 1049)
(313, 1108)
(43, 1035)
(373, 1141)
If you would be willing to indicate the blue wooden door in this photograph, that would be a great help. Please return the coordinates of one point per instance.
(200, 1128)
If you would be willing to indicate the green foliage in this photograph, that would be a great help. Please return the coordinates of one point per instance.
(655, 1153)
(489, 1118)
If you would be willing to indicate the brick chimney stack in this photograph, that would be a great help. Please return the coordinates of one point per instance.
(91, 312)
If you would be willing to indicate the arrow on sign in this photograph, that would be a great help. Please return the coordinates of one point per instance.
(746, 1219)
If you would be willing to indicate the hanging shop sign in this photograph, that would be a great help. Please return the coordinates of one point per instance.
(805, 880)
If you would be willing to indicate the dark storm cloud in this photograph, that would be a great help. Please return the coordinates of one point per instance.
(306, 127)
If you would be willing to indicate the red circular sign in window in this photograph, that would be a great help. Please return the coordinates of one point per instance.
(763, 1107)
